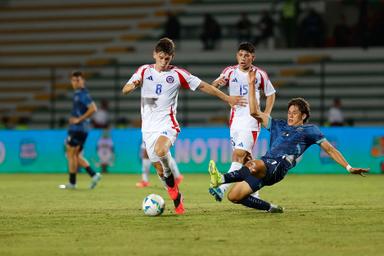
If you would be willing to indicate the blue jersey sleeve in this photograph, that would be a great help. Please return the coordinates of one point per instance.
(315, 135)
(86, 99)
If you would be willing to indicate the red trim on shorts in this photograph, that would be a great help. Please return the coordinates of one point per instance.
(183, 82)
(254, 135)
(231, 117)
(174, 122)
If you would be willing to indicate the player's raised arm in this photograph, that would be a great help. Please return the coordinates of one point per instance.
(128, 88)
(231, 100)
(254, 107)
(339, 158)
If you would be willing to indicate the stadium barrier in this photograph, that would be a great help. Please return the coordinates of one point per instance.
(42, 151)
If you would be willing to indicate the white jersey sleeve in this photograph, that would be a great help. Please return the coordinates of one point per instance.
(265, 84)
(138, 75)
(187, 80)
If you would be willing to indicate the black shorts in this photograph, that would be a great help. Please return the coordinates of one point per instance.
(75, 139)
(277, 168)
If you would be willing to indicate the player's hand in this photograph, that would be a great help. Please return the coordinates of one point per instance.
(359, 171)
(137, 83)
(74, 120)
(237, 100)
(252, 76)
(220, 82)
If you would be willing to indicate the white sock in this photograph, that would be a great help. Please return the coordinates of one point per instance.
(256, 194)
(174, 167)
(166, 162)
(234, 166)
(145, 166)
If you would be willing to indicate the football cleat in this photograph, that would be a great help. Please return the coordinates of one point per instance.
(67, 186)
(276, 209)
(216, 176)
(180, 208)
(142, 184)
(216, 193)
(95, 179)
(173, 192)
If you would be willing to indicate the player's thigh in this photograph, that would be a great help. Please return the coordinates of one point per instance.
(162, 145)
(239, 191)
(241, 156)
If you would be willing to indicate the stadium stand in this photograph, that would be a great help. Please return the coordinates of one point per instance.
(42, 42)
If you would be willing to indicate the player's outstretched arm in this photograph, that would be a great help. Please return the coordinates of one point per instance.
(254, 107)
(231, 100)
(128, 88)
(339, 158)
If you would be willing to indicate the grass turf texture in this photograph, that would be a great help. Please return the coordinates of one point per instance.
(324, 215)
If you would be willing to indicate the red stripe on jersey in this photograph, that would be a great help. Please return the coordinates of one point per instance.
(262, 81)
(174, 122)
(231, 117)
(229, 78)
(254, 135)
(184, 70)
(183, 82)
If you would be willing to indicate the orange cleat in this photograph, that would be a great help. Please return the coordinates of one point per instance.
(179, 179)
(180, 208)
(142, 184)
(173, 192)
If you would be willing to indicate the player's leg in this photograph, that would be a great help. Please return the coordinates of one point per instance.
(175, 170)
(82, 162)
(242, 145)
(72, 154)
(161, 149)
(172, 188)
(145, 168)
(238, 157)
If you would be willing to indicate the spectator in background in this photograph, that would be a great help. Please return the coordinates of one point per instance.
(172, 27)
(265, 27)
(312, 30)
(335, 115)
(211, 32)
(342, 33)
(243, 27)
(288, 20)
(101, 117)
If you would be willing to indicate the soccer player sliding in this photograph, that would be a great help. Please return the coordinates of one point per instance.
(289, 140)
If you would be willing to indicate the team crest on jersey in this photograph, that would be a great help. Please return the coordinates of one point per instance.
(170, 79)
(150, 78)
(234, 80)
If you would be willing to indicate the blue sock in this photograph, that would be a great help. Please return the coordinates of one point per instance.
(237, 176)
(256, 203)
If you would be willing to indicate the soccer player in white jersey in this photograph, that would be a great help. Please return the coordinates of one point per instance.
(244, 129)
(160, 84)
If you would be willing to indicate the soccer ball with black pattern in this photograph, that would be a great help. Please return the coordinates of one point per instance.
(153, 205)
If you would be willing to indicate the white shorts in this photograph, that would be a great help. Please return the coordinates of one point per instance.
(244, 140)
(150, 139)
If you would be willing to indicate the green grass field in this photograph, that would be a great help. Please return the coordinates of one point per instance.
(324, 215)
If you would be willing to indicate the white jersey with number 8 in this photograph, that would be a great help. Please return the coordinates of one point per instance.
(159, 93)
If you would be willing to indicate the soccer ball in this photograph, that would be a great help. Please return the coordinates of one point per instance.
(153, 205)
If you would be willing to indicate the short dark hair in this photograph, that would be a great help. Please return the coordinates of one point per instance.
(246, 46)
(77, 73)
(302, 105)
(165, 45)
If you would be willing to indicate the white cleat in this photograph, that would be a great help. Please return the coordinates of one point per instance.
(95, 180)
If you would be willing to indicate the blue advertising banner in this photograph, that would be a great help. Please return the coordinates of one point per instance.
(43, 151)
